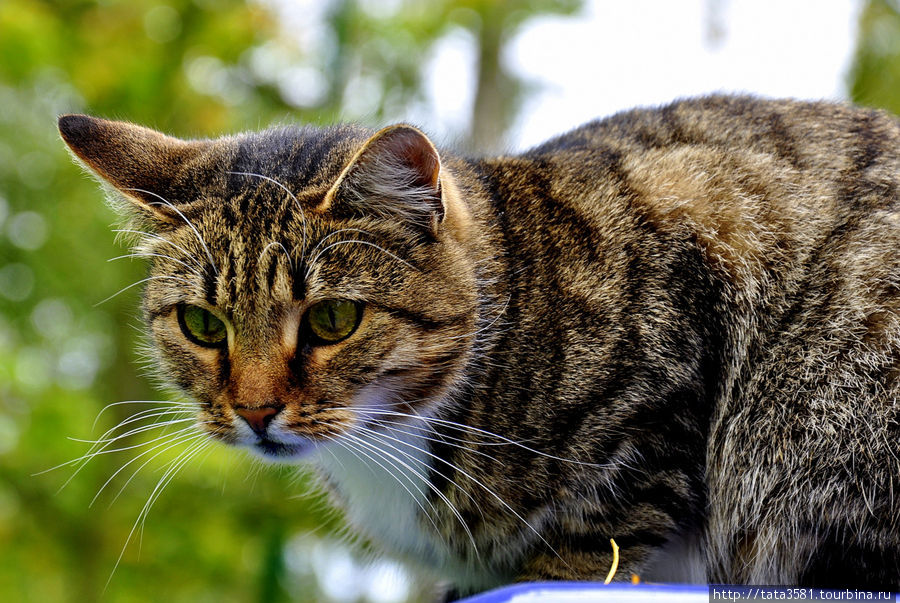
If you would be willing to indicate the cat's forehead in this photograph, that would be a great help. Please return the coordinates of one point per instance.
(266, 192)
(268, 180)
(264, 232)
(265, 248)
(297, 158)
(259, 267)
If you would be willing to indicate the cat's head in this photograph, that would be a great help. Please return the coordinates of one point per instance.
(302, 281)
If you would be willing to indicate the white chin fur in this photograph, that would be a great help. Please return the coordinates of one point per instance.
(382, 481)
(381, 476)
(280, 446)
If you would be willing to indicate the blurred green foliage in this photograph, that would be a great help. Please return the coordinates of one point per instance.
(225, 528)
(875, 75)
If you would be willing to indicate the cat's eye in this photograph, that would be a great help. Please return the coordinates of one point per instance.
(333, 320)
(202, 327)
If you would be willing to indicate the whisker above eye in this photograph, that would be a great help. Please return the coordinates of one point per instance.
(156, 255)
(283, 248)
(157, 237)
(313, 261)
(144, 280)
(337, 232)
(163, 201)
(292, 195)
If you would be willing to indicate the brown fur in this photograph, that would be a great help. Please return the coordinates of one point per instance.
(677, 327)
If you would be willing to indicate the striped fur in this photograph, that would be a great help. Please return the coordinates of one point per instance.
(676, 327)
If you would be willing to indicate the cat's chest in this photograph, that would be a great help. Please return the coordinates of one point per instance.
(382, 483)
(383, 486)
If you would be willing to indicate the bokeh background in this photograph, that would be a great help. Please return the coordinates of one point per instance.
(481, 76)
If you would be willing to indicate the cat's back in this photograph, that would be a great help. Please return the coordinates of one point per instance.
(741, 176)
(736, 261)
(768, 230)
(805, 135)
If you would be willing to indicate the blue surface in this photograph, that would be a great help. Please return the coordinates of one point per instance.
(553, 592)
(590, 592)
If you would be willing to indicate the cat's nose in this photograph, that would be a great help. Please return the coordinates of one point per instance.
(258, 418)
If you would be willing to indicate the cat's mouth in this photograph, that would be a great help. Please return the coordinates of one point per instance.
(281, 451)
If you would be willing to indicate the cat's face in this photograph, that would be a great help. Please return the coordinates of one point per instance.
(302, 282)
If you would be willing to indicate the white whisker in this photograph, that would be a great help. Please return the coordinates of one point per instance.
(150, 413)
(365, 449)
(380, 436)
(131, 432)
(313, 261)
(176, 440)
(294, 197)
(462, 427)
(157, 237)
(172, 440)
(283, 248)
(387, 456)
(166, 402)
(85, 459)
(487, 326)
(144, 280)
(163, 201)
(423, 477)
(164, 480)
(174, 467)
(439, 437)
(477, 482)
(335, 233)
(93, 451)
(156, 255)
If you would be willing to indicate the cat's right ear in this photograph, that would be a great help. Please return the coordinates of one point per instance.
(143, 164)
(397, 175)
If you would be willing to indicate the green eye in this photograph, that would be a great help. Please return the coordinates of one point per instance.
(202, 327)
(332, 320)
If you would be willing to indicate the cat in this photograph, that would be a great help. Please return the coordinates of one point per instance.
(676, 327)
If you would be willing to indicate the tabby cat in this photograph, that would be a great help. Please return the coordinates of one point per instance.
(675, 327)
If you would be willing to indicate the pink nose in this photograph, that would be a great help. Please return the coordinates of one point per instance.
(258, 418)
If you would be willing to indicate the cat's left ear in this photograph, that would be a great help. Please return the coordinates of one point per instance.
(396, 175)
(147, 166)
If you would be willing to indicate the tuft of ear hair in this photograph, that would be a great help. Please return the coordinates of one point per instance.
(396, 175)
(141, 163)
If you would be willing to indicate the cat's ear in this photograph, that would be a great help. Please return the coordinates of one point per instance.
(395, 175)
(143, 164)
